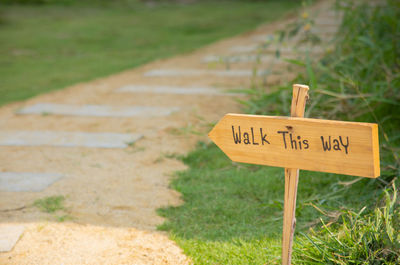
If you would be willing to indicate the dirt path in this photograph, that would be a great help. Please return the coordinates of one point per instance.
(111, 195)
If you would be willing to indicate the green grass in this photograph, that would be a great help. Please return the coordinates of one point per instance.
(50, 204)
(233, 212)
(359, 238)
(47, 47)
(53, 205)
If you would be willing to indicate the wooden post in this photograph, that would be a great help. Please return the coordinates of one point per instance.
(300, 96)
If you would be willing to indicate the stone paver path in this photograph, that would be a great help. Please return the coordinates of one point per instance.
(96, 110)
(67, 139)
(20, 181)
(173, 90)
(200, 72)
(9, 235)
(108, 143)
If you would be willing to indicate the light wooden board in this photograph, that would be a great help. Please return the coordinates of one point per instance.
(349, 148)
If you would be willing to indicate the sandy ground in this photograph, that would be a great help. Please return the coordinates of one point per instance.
(112, 194)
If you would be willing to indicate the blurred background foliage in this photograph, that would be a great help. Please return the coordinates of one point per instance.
(52, 45)
(120, 2)
(359, 80)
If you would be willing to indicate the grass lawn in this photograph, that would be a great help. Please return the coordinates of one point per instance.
(233, 212)
(47, 47)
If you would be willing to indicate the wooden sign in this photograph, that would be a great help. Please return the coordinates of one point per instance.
(350, 148)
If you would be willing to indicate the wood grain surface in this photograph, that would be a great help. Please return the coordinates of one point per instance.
(350, 148)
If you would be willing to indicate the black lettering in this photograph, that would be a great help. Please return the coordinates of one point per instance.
(263, 137)
(344, 145)
(293, 142)
(306, 145)
(252, 136)
(246, 138)
(299, 138)
(284, 136)
(336, 145)
(326, 145)
(236, 138)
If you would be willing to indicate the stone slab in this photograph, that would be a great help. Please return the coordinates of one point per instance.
(244, 58)
(25, 181)
(257, 47)
(327, 22)
(172, 90)
(67, 139)
(247, 48)
(9, 236)
(263, 37)
(197, 72)
(96, 110)
(324, 30)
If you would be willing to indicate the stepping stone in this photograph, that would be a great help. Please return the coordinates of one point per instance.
(246, 48)
(324, 30)
(254, 48)
(331, 13)
(172, 90)
(267, 39)
(327, 22)
(238, 58)
(96, 110)
(67, 139)
(316, 29)
(17, 182)
(9, 236)
(197, 72)
(263, 37)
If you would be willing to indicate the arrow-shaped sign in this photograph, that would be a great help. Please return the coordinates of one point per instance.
(350, 148)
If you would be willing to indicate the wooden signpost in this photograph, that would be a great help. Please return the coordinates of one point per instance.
(350, 148)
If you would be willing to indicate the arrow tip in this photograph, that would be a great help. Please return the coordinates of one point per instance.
(213, 134)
